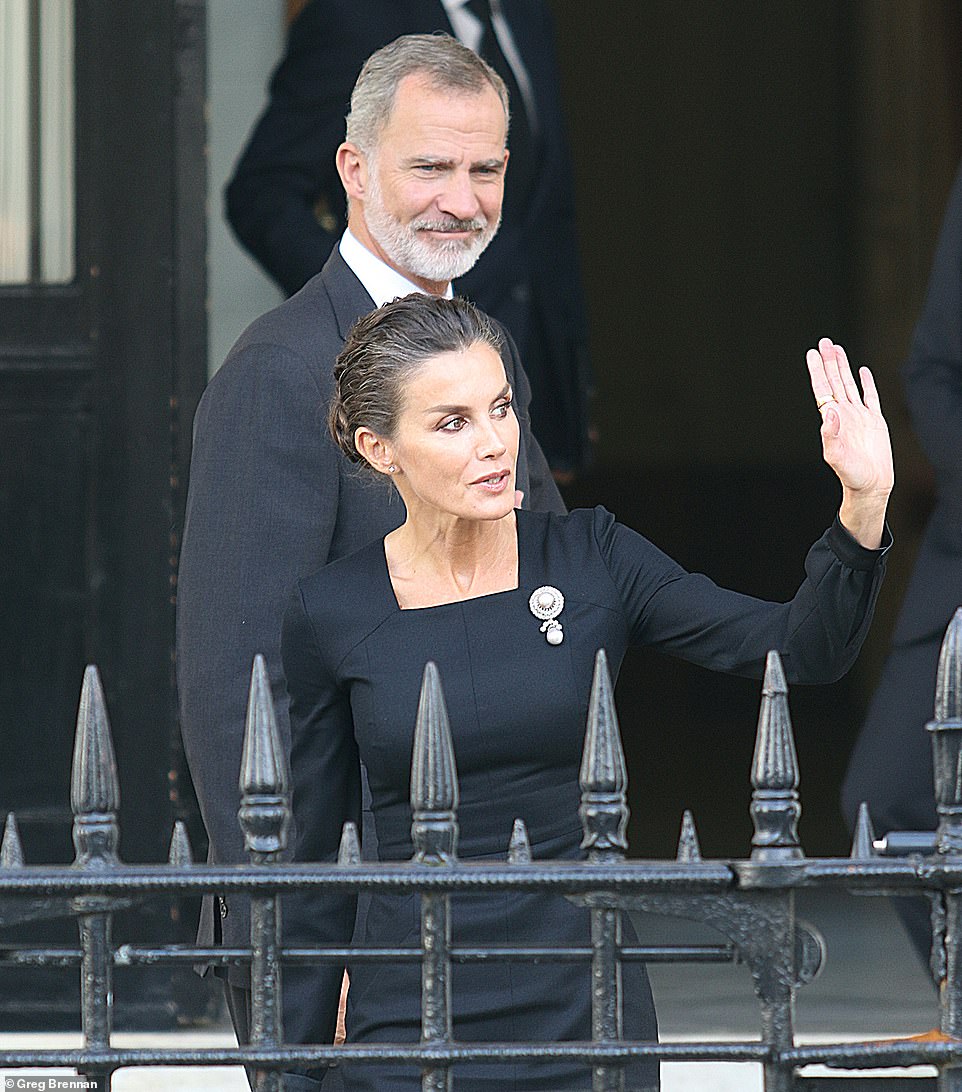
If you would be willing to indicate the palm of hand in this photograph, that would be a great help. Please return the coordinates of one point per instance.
(856, 445)
(855, 437)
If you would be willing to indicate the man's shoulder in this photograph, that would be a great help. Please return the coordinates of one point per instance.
(295, 323)
(306, 329)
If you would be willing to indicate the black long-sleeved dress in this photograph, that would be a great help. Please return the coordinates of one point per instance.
(517, 706)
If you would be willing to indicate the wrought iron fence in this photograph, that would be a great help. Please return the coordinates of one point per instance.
(750, 902)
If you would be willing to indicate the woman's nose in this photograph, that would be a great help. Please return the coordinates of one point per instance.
(491, 444)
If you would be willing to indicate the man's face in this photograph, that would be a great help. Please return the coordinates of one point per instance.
(434, 185)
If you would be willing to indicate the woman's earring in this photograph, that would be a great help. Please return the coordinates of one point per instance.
(392, 469)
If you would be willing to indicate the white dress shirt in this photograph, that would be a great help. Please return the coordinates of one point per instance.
(469, 31)
(381, 282)
(466, 27)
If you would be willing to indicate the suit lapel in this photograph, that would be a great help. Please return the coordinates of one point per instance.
(349, 298)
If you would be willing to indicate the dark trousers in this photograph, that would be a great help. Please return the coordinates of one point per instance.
(312, 1080)
(891, 764)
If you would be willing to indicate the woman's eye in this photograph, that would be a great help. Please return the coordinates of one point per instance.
(454, 425)
(501, 410)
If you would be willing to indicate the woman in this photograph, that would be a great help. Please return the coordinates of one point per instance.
(512, 606)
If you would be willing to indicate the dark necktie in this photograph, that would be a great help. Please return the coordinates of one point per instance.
(520, 177)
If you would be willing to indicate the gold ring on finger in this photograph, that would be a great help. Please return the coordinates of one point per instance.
(821, 403)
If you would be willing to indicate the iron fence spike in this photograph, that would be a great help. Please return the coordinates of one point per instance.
(180, 854)
(263, 763)
(265, 809)
(603, 767)
(519, 848)
(774, 680)
(94, 785)
(775, 764)
(946, 739)
(688, 847)
(948, 680)
(604, 776)
(434, 785)
(863, 840)
(11, 850)
(775, 809)
(434, 777)
(349, 851)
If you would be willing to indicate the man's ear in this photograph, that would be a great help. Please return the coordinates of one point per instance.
(352, 166)
(375, 450)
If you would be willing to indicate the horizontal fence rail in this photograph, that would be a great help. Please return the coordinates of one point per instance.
(750, 902)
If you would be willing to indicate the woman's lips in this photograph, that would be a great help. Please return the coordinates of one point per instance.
(495, 482)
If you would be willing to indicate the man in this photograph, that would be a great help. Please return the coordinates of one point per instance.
(270, 498)
(891, 764)
(286, 204)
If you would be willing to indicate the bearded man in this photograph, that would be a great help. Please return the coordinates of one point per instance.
(271, 499)
(286, 205)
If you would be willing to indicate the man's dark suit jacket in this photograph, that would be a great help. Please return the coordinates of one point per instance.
(891, 765)
(529, 277)
(271, 499)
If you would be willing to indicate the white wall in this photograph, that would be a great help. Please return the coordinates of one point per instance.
(245, 39)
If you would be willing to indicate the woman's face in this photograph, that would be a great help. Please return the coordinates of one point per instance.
(456, 442)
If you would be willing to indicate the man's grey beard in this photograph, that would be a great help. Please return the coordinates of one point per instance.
(411, 252)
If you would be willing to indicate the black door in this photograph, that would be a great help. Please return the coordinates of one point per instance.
(102, 357)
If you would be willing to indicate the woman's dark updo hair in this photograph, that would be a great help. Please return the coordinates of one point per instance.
(385, 348)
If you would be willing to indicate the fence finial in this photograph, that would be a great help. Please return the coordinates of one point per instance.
(863, 840)
(688, 847)
(775, 808)
(180, 854)
(434, 777)
(946, 736)
(604, 777)
(349, 851)
(948, 680)
(94, 785)
(11, 851)
(265, 811)
(519, 848)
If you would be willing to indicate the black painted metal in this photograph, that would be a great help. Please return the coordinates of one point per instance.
(749, 901)
(604, 818)
(99, 379)
(434, 833)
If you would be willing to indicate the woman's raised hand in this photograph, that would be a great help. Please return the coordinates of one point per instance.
(855, 440)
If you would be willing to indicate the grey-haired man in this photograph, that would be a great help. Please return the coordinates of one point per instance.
(270, 497)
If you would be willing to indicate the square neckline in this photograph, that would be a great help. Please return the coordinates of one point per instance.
(392, 594)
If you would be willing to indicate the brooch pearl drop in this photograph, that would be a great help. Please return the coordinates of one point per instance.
(547, 603)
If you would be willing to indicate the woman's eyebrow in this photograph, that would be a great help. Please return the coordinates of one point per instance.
(503, 393)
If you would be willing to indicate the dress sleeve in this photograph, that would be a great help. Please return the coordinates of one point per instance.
(818, 633)
(325, 776)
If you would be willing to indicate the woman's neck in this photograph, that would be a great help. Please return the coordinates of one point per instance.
(444, 561)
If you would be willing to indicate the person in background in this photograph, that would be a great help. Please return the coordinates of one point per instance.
(286, 204)
(270, 498)
(891, 765)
